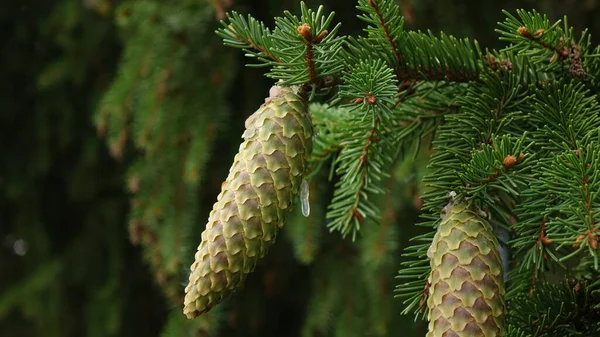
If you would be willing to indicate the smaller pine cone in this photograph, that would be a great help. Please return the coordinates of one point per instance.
(466, 281)
(263, 181)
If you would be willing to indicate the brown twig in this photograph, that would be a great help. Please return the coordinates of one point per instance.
(305, 31)
(570, 52)
(372, 138)
(542, 238)
(535, 37)
(253, 46)
(587, 202)
(386, 30)
(495, 64)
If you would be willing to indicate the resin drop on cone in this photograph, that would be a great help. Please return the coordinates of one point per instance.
(262, 184)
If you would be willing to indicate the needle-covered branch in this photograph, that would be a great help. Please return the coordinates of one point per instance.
(470, 160)
(298, 50)
(570, 308)
(366, 146)
(515, 140)
(548, 44)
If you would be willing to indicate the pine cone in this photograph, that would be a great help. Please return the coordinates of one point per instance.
(466, 286)
(263, 182)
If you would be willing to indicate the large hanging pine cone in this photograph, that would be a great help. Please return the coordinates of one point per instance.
(263, 182)
(466, 286)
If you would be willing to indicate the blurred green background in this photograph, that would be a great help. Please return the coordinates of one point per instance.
(118, 122)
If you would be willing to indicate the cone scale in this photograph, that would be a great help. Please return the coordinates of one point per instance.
(465, 285)
(262, 184)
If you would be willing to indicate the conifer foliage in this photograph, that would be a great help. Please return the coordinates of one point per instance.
(393, 170)
(514, 135)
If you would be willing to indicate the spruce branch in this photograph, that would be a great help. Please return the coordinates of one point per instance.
(350, 204)
(380, 242)
(568, 183)
(372, 87)
(113, 118)
(567, 114)
(330, 123)
(423, 106)
(566, 309)
(500, 166)
(555, 47)
(511, 136)
(306, 33)
(298, 50)
(167, 106)
(386, 24)
(486, 112)
(248, 34)
(534, 258)
(417, 55)
(425, 56)
(464, 144)
(553, 213)
(534, 29)
(592, 66)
